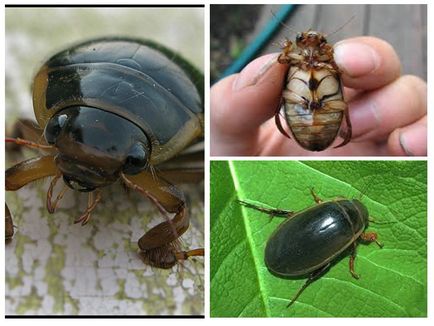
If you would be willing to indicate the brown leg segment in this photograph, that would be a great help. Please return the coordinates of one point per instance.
(28, 171)
(277, 119)
(160, 245)
(193, 175)
(187, 167)
(27, 129)
(346, 133)
(91, 204)
(312, 278)
(51, 207)
(22, 174)
(371, 237)
(9, 225)
(270, 211)
(315, 197)
(351, 264)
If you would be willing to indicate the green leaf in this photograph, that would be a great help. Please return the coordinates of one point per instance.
(393, 280)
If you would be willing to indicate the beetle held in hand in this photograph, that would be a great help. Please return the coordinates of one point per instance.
(313, 103)
(117, 109)
(309, 241)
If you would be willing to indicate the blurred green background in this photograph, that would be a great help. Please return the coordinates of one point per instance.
(54, 266)
(393, 280)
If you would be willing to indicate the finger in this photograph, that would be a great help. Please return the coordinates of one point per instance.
(410, 140)
(367, 62)
(242, 102)
(376, 114)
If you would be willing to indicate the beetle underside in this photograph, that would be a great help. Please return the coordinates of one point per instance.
(313, 102)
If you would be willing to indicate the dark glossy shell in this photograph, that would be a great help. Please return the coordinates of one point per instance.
(314, 124)
(314, 237)
(138, 80)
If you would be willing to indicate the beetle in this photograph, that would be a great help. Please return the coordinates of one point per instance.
(309, 241)
(313, 102)
(117, 109)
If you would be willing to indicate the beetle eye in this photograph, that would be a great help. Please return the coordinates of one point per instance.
(299, 37)
(137, 159)
(53, 128)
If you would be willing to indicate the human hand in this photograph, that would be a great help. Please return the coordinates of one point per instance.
(387, 111)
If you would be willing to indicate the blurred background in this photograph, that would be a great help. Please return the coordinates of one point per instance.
(54, 266)
(237, 27)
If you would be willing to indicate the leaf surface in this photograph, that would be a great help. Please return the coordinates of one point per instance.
(393, 280)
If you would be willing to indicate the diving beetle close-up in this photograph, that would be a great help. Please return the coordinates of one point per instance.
(117, 110)
(313, 102)
(308, 242)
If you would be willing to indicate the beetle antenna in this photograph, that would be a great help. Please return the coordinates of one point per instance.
(289, 28)
(27, 143)
(340, 28)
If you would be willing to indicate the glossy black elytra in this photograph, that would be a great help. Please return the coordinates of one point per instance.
(310, 240)
(117, 109)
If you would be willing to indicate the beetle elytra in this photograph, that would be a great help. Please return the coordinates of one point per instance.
(309, 241)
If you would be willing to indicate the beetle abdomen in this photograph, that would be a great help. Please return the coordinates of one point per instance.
(314, 106)
(313, 130)
(313, 237)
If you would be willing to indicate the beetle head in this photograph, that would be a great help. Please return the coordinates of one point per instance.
(95, 146)
(310, 39)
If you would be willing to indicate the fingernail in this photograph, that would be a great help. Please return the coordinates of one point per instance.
(364, 116)
(356, 59)
(246, 78)
(413, 140)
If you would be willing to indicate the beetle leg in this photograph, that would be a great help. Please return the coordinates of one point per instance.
(347, 131)
(91, 204)
(160, 245)
(270, 211)
(312, 278)
(278, 122)
(9, 225)
(351, 263)
(51, 207)
(370, 237)
(286, 48)
(184, 255)
(315, 196)
(28, 171)
(176, 176)
(23, 173)
(186, 167)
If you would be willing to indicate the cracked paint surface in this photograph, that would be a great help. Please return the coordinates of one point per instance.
(56, 267)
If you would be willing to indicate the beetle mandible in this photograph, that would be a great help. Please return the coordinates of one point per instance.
(117, 109)
(309, 241)
(313, 102)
